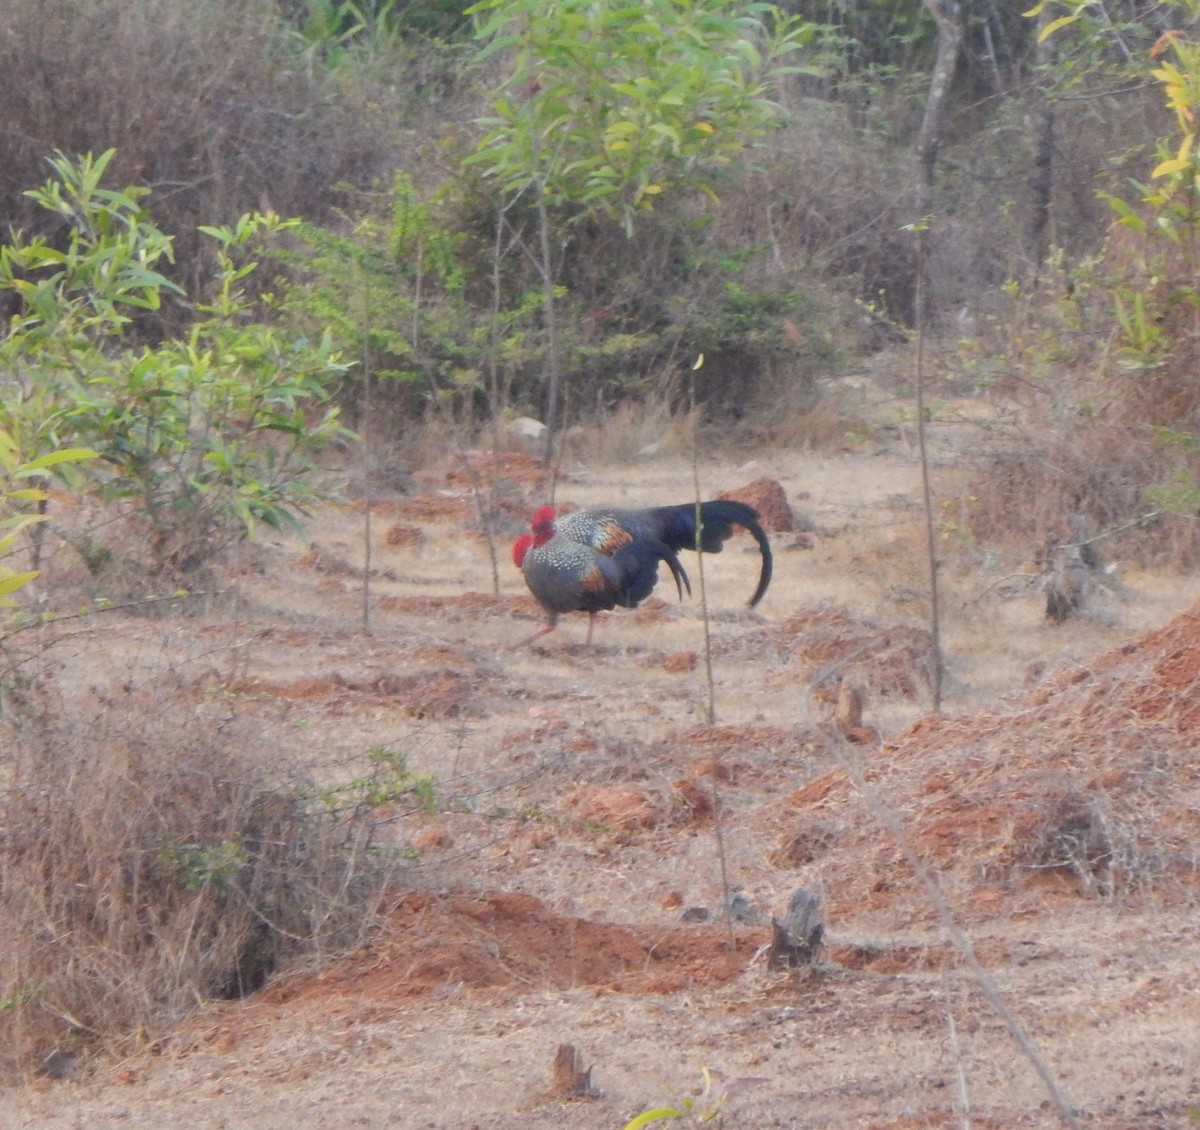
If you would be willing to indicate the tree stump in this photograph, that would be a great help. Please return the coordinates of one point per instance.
(570, 1079)
(1070, 564)
(798, 937)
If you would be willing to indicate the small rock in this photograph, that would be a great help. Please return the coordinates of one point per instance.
(425, 839)
(59, 1064)
(525, 427)
(742, 911)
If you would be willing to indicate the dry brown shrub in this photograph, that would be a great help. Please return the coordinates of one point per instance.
(1100, 408)
(93, 549)
(1078, 832)
(798, 200)
(152, 855)
(1022, 497)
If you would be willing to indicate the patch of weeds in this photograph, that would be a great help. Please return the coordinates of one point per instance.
(530, 815)
(197, 868)
(22, 996)
(388, 781)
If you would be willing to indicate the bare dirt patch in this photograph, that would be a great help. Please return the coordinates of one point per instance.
(565, 882)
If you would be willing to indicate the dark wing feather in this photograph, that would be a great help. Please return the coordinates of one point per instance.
(638, 562)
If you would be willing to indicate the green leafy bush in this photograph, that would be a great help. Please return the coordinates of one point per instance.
(433, 290)
(201, 437)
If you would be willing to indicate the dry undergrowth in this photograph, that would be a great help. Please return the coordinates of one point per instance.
(153, 854)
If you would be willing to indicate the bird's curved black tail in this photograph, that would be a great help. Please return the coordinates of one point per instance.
(717, 519)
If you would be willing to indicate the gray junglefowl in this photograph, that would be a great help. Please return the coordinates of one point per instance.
(564, 579)
(568, 576)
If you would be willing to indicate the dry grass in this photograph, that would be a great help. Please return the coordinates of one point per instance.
(154, 852)
(630, 432)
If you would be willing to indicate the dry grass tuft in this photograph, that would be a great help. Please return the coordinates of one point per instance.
(152, 855)
(630, 432)
(806, 422)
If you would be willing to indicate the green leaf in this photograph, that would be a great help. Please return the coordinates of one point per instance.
(53, 458)
(10, 582)
(1056, 25)
(646, 1117)
(1168, 168)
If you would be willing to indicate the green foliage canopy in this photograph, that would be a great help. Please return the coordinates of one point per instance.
(607, 105)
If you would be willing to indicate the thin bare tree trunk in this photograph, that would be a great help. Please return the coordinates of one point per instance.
(949, 39)
(1042, 184)
(546, 268)
(555, 375)
(945, 12)
(366, 428)
(936, 676)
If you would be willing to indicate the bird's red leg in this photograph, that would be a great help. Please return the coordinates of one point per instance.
(544, 630)
(591, 625)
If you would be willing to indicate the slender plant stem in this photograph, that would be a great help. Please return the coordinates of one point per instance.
(710, 713)
(100, 609)
(365, 441)
(964, 1096)
(549, 303)
(711, 709)
(935, 619)
(949, 40)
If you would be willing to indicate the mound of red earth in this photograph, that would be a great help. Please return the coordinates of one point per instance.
(1088, 783)
(485, 471)
(505, 942)
(769, 499)
(496, 945)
